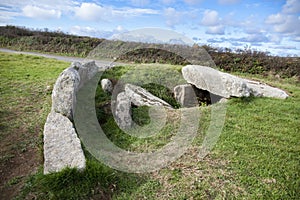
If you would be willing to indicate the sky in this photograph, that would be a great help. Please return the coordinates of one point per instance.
(265, 25)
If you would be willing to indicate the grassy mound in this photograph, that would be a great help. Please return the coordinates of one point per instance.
(257, 155)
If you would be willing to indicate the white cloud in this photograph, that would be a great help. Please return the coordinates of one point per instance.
(291, 6)
(172, 16)
(275, 38)
(6, 16)
(219, 30)
(290, 25)
(50, 4)
(40, 9)
(167, 2)
(40, 13)
(92, 32)
(255, 38)
(120, 28)
(84, 31)
(296, 39)
(275, 19)
(287, 21)
(283, 47)
(128, 12)
(192, 1)
(228, 1)
(93, 12)
(140, 2)
(284, 23)
(210, 18)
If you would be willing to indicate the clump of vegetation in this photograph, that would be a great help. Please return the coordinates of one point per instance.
(46, 41)
(255, 62)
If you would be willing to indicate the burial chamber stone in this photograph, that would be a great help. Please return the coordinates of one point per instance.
(263, 90)
(141, 97)
(216, 82)
(62, 146)
(185, 95)
(227, 85)
(137, 96)
(123, 111)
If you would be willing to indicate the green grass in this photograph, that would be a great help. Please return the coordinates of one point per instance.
(25, 99)
(256, 157)
(26, 84)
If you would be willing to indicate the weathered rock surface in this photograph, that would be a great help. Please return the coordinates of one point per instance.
(123, 111)
(86, 71)
(63, 94)
(140, 97)
(262, 90)
(185, 95)
(107, 85)
(137, 96)
(227, 85)
(62, 147)
(68, 83)
(216, 82)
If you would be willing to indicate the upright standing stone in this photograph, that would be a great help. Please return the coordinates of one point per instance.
(61, 145)
(185, 95)
(64, 92)
(123, 111)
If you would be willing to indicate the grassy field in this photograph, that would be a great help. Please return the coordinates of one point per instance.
(25, 99)
(256, 157)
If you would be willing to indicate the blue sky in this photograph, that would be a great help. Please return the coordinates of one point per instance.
(266, 25)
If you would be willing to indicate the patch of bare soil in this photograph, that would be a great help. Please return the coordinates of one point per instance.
(19, 157)
(14, 172)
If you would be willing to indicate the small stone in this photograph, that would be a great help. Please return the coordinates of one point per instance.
(107, 85)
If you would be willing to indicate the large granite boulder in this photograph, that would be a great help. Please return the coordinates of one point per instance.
(137, 96)
(263, 90)
(64, 92)
(216, 82)
(141, 97)
(227, 85)
(62, 147)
